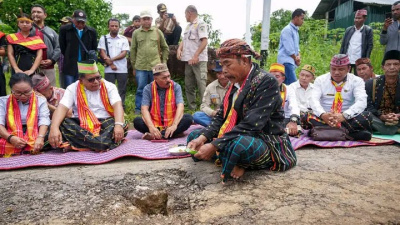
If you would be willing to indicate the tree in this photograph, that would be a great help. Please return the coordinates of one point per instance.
(98, 11)
(124, 19)
(214, 36)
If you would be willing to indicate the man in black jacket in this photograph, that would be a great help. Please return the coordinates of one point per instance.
(70, 45)
(384, 96)
(358, 40)
(247, 131)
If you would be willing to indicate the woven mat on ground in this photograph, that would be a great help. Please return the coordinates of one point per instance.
(395, 137)
(134, 146)
(304, 140)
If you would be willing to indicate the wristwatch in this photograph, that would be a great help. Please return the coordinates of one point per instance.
(294, 119)
(346, 116)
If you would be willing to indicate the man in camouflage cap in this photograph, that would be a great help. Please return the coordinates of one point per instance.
(162, 107)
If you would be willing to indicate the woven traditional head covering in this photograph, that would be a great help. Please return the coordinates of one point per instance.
(276, 67)
(88, 67)
(40, 82)
(363, 61)
(309, 68)
(340, 60)
(392, 54)
(361, 12)
(236, 48)
(159, 68)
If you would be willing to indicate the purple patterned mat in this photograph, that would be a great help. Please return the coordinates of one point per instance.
(305, 140)
(136, 147)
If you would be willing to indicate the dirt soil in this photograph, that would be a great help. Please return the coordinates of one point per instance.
(328, 186)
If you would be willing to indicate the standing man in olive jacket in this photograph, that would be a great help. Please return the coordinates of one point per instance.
(72, 49)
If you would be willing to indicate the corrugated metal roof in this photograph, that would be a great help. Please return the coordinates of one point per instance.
(327, 5)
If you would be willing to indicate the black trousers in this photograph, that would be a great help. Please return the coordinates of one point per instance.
(183, 125)
(2, 82)
(353, 69)
(173, 39)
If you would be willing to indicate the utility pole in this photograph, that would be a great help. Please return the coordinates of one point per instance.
(248, 33)
(265, 32)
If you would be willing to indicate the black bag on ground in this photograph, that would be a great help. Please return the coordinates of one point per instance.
(325, 133)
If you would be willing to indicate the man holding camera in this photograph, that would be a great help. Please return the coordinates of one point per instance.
(168, 25)
(390, 35)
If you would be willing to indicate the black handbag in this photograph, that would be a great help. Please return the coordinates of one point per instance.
(324, 133)
(91, 54)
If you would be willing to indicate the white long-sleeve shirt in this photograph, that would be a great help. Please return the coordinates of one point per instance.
(303, 96)
(291, 107)
(353, 94)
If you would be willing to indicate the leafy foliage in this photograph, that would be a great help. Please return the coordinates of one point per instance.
(214, 36)
(124, 19)
(98, 11)
(317, 44)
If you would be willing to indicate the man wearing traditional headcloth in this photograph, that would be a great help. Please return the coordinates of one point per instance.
(247, 131)
(289, 102)
(358, 40)
(98, 117)
(364, 69)
(162, 108)
(384, 96)
(339, 100)
(53, 95)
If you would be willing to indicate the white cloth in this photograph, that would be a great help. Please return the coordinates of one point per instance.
(115, 46)
(93, 98)
(302, 96)
(192, 36)
(353, 94)
(291, 107)
(354, 50)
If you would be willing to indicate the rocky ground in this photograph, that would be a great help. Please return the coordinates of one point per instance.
(329, 186)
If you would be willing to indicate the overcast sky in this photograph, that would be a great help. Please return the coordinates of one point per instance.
(229, 16)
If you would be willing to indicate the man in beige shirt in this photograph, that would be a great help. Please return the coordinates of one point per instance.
(213, 98)
(193, 51)
(168, 25)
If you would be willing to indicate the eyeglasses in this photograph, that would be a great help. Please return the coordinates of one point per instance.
(91, 80)
(20, 94)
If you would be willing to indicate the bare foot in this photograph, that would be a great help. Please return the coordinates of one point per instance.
(237, 172)
(148, 136)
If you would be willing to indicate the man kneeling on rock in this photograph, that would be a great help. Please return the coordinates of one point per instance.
(247, 132)
(162, 107)
(98, 117)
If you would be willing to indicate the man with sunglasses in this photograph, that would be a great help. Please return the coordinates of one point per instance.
(98, 116)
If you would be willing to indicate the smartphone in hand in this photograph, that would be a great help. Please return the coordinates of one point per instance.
(170, 15)
(388, 15)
